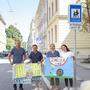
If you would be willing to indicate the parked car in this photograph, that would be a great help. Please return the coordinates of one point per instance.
(4, 54)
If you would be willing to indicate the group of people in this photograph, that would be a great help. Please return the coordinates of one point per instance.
(19, 56)
(64, 52)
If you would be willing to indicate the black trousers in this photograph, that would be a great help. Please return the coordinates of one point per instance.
(68, 81)
(15, 86)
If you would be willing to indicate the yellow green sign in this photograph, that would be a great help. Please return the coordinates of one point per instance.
(35, 69)
(27, 70)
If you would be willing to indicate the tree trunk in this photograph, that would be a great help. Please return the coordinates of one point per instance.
(88, 15)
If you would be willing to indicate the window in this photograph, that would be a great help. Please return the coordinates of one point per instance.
(56, 5)
(52, 8)
(49, 35)
(52, 35)
(55, 33)
(49, 13)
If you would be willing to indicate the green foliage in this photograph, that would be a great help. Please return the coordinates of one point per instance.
(84, 21)
(8, 47)
(13, 32)
(85, 17)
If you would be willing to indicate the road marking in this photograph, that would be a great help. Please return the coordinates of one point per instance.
(10, 71)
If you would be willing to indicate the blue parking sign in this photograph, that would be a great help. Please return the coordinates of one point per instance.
(75, 14)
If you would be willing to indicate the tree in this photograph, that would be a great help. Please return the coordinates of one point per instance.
(86, 16)
(12, 34)
(84, 19)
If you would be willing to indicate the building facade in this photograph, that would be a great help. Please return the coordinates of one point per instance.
(32, 36)
(41, 25)
(52, 26)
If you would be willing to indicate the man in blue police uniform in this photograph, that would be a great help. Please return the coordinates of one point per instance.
(19, 55)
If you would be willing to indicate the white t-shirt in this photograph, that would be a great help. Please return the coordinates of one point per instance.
(65, 55)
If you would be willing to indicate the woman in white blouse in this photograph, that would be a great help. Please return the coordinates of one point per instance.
(65, 53)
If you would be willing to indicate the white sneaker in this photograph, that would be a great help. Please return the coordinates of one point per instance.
(36, 88)
(50, 88)
(40, 89)
(71, 88)
(57, 88)
(65, 88)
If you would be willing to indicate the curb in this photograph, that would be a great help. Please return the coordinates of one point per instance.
(83, 66)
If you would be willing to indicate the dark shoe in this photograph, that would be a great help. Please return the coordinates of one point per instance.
(15, 86)
(20, 88)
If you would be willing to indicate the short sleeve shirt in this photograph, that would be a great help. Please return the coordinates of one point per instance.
(17, 55)
(35, 57)
(52, 54)
(67, 54)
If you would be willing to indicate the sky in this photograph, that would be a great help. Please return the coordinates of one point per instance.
(19, 13)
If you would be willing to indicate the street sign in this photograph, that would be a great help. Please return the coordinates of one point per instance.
(75, 14)
(39, 40)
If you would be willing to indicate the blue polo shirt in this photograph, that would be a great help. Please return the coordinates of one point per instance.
(17, 55)
(52, 54)
(36, 57)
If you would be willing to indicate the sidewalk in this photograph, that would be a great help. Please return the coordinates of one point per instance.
(62, 84)
(4, 61)
(82, 64)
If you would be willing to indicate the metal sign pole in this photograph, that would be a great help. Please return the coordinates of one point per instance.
(75, 51)
(75, 19)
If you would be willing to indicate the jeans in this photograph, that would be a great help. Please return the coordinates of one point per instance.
(54, 81)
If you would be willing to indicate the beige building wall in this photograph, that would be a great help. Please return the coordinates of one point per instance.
(57, 22)
(82, 42)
